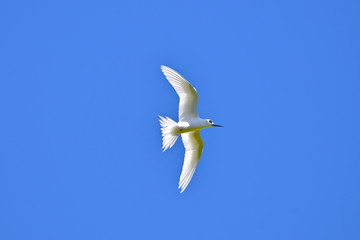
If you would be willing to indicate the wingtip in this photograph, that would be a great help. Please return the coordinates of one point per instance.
(163, 67)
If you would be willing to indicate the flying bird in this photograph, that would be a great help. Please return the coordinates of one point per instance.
(188, 127)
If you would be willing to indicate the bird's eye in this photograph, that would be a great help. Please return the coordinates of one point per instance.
(210, 121)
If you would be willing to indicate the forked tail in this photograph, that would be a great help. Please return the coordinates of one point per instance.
(169, 130)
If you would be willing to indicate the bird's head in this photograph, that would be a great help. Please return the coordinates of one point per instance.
(212, 124)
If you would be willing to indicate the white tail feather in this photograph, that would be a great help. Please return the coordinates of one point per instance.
(169, 129)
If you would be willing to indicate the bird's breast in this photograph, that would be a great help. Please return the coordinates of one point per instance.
(188, 127)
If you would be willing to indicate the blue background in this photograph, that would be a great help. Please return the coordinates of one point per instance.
(81, 88)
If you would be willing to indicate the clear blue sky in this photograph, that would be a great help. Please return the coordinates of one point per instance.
(80, 94)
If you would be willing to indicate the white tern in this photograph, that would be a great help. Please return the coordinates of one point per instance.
(188, 127)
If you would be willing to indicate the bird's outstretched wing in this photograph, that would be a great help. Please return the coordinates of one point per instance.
(187, 94)
(193, 148)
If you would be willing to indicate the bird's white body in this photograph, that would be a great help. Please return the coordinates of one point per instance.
(188, 127)
(191, 125)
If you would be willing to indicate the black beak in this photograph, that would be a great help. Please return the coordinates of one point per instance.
(214, 125)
